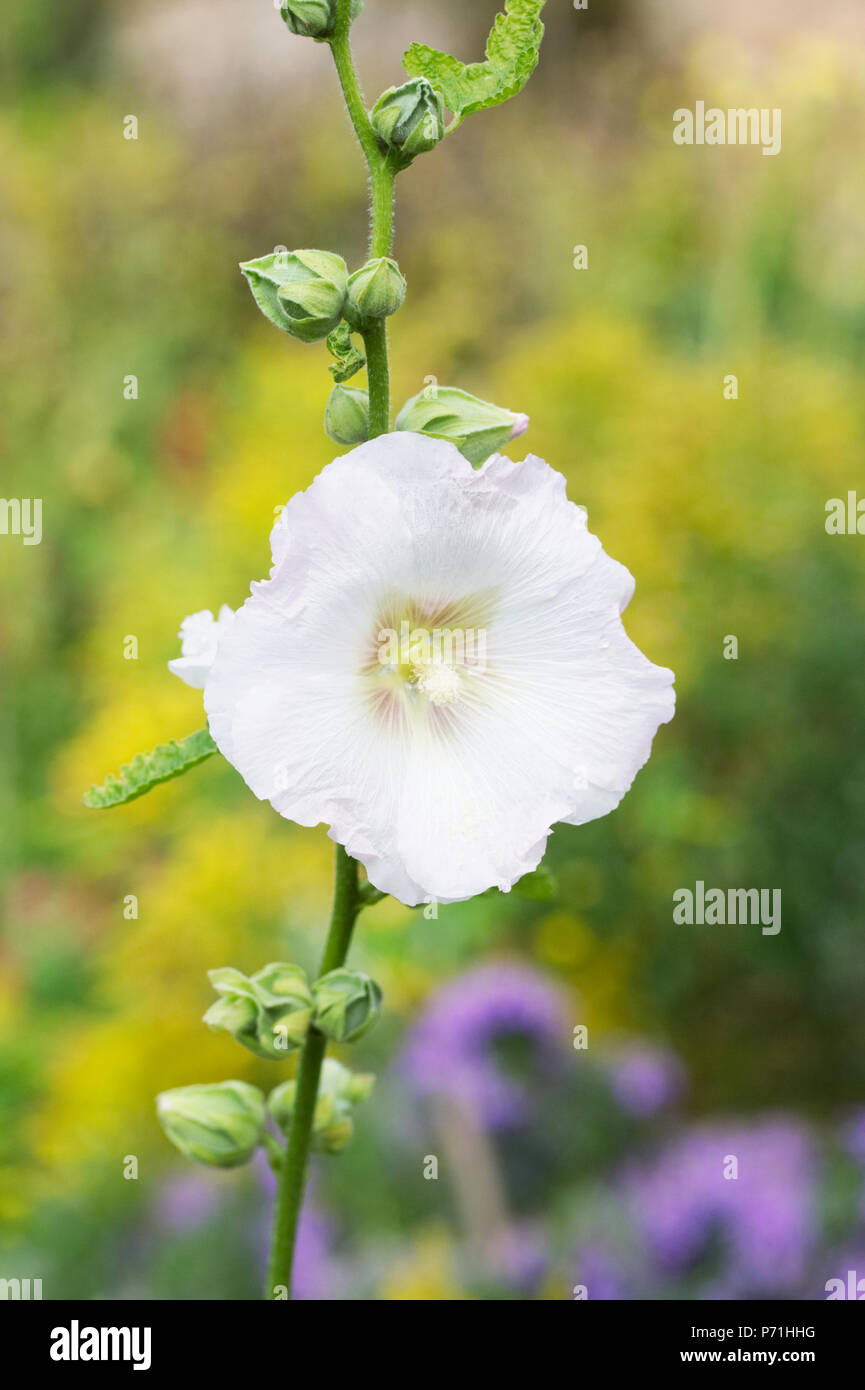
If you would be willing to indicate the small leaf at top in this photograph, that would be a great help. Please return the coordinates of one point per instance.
(512, 55)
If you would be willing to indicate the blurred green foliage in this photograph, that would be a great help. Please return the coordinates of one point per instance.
(119, 258)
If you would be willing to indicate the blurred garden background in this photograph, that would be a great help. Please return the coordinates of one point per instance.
(557, 1167)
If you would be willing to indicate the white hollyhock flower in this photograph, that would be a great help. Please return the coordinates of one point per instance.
(441, 766)
(200, 635)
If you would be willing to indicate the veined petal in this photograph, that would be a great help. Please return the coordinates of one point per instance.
(507, 696)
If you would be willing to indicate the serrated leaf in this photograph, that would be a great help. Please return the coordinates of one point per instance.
(512, 55)
(147, 770)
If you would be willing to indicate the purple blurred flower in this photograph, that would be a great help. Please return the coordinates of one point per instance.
(186, 1201)
(765, 1219)
(644, 1078)
(846, 1264)
(602, 1273)
(316, 1274)
(523, 1258)
(452, 1048)
(314, 1269)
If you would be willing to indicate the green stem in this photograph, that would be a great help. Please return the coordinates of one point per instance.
(346, 899)
(381, 178)
(292, 1178)
(382, 173)
(378, 378)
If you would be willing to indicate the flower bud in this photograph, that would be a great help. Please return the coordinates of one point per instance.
(346, 418)
(313, 19)
(220, 1124)
(269, 1013)
(476, 427)
(333, 1137)
(285, 994)
(347, 1004)
(339, 1091)
(302, 292)
(237, 1016)
(280, 1103)
(375, 291)
(410, 118)
(358, 1086)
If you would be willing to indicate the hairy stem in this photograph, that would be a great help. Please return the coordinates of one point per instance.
(378, 377)
(346, 899)
(292, 1178)
(382, 173)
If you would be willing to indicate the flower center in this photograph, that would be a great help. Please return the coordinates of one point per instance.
(426, 655)
(434, 676)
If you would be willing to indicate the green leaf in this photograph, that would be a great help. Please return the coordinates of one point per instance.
(349, 359)
(149, 769)
(512, 55)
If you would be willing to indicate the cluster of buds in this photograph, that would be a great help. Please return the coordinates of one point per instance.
(268, 1013)
(310, 293)
(222, 1123)
(340, 1090)
(408, 120)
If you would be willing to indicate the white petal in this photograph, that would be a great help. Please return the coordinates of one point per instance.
(437, 799)
(200, 635)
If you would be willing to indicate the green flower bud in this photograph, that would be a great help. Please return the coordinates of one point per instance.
(278, 982)
(346, 419)
(313, 19)
(269, 1013)
(236, 1016)
(285, 994)
(220, 1124)
(375, 291)
(302, 292)
(280, 1103)
(358, 1086)
(476, 427)
(409, 119)
(339, 1091)
(347, 1004)
(334, 1137)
